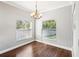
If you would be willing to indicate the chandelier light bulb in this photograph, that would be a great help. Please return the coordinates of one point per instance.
(36, 15)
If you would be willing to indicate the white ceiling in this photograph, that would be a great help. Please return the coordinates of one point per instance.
(42, 5)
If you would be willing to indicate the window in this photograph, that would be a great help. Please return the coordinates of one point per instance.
(49, 29)
(23, 29)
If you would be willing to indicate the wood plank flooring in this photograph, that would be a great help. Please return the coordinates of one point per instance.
(37, 49)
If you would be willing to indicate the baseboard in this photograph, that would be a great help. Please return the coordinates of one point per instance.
(55, 45)
(9, 49)
(4, 51)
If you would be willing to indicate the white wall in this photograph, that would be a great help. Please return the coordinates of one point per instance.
(8, 17)
(64, 33)
(76, 31)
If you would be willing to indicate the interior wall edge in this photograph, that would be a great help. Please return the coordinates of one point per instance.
(15, 5)
(57, 8)
(55, 45)
(9, 49)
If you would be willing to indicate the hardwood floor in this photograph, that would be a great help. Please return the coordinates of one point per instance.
(37, 49)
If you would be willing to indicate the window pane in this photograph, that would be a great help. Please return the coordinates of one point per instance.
(23, 29)
(49, 29)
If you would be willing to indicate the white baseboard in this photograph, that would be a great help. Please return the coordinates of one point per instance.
(32, 41)
(9, 49)
(55, 45)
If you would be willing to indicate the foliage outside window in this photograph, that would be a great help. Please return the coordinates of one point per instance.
(22, 25)
(50, 24)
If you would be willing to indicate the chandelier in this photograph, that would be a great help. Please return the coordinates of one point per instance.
(35, 14)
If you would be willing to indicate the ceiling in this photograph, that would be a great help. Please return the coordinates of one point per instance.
(42, 5)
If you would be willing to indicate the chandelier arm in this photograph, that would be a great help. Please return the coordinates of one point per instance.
(36, 14)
